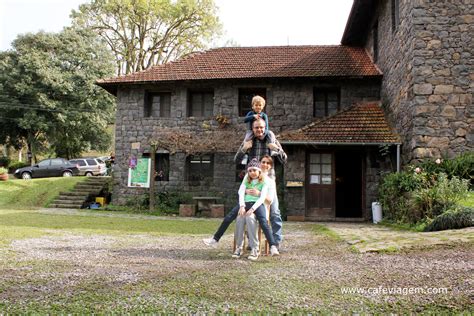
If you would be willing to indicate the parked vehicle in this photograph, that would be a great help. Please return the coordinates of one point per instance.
(90, 166)
(53, 167)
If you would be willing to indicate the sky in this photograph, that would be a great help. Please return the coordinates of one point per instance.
(245, 22)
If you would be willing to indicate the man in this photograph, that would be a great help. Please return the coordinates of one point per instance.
(258, 147)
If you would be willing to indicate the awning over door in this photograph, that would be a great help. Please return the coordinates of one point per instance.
(361, 124)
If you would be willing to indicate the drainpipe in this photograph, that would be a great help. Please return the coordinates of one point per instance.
(398, 157)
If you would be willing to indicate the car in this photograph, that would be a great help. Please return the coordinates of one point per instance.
(52, 167)
(90, 166)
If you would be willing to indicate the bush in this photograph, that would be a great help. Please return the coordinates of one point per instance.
(437, 198)
(4, 161)
(461, 166)
(15, 164)
(453, 219)
(166, 202)
(395, 194)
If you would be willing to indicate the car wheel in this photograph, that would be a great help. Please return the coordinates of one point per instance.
(88, 174)
(26, 175)
(67, 174)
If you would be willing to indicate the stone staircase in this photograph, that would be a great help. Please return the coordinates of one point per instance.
(82, 193)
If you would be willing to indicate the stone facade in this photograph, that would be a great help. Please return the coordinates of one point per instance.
(289, 106)
(427, 65)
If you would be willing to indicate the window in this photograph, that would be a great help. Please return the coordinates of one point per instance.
(57, 162)
(201, 103)
(375, 33)
(44, 163)
(320, 169)
(245, 98)
(395, 14)
(157, 104)
(79, 162)
(199, 167)
(326, 102)
(162, 166)
(91, 162)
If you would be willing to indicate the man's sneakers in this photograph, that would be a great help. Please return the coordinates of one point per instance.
(210, 241)
(274, 251)
(237, 253)
(253, 254)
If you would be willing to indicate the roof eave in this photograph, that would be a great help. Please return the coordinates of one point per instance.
(355, 32)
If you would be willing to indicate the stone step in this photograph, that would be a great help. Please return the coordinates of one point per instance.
(74, 193)
(58, 205)
(66, 201)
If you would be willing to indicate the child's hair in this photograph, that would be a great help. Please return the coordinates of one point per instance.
(260, 177)
(258, 99)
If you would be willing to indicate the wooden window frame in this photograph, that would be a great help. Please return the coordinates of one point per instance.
(192, 94)
(244, 104)
(148, 109)
(201, 174)
(326, 91)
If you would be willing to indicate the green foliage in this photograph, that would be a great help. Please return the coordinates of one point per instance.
(3, 170)
(454, 218)
(166, 202)
(15, 164)
(48, 92)
(144, 33)
(4, 161)
(443, 194)
(461, 166)
(420, 193)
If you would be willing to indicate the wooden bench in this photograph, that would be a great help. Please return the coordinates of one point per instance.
(203, 203)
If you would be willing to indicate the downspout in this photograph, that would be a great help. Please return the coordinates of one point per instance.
(398, 157)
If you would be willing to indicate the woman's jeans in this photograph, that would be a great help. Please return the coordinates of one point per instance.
(260, 214)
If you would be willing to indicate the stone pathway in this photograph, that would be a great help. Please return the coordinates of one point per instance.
(376, 238)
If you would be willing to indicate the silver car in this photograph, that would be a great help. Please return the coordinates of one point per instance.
(90, 166)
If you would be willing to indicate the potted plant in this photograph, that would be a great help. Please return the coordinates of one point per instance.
(3, 174)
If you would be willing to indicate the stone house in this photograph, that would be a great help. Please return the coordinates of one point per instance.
(341, 112)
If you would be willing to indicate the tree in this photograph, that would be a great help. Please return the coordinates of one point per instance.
(48, 96)
(144, 33)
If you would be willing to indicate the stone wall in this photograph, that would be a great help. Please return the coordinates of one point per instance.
(427, 66)
(289, 106)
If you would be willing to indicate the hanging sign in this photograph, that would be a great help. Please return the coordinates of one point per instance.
(139, 176)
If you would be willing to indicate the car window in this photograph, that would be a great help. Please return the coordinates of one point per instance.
(91, 162)
(44, 163)
(80, 162)
(99, 160)
(56, 162)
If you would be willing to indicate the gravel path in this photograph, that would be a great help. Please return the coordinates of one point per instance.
(73, 272)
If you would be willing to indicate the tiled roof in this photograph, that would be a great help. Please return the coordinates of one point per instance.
(363, 123)
(259, 62)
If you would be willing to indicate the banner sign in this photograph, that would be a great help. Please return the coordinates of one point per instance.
(139, 177)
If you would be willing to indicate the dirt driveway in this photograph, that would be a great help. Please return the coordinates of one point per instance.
(71, 271)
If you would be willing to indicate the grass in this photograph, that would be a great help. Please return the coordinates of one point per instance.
(34, 193)
(469, 201)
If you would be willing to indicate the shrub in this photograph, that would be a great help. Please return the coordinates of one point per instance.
(453, 219)
(461, 166)
(3, 170)
(15, 164)
(435, 199)
(395, 193)
(4, 161)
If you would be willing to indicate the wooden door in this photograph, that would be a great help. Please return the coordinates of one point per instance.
(320, 179)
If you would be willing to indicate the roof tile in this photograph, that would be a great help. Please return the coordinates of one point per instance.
(363, 123)
(259, 62)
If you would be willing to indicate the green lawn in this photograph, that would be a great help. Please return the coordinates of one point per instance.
(19, 193)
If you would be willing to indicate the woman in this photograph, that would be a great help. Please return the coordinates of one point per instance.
(275, 217)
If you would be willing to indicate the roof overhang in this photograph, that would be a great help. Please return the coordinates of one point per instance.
(312, 143)
(358, 23)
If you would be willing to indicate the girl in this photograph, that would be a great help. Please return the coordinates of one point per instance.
(251, 207)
